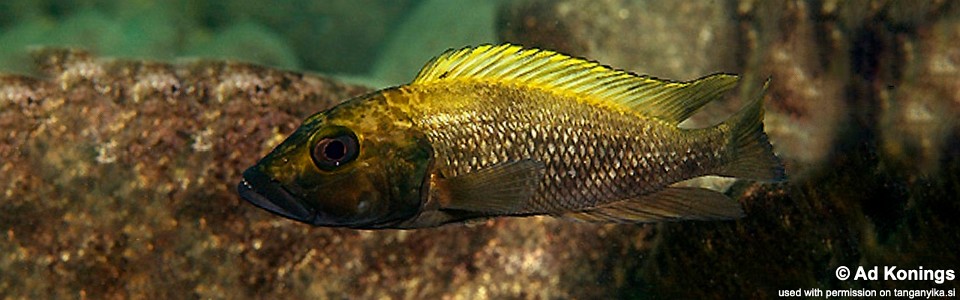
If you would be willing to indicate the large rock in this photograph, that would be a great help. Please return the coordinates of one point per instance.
(431, 28)
(338, 36)
(919, 114)
(675, 40)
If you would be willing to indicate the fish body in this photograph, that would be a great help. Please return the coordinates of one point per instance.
(507, 131)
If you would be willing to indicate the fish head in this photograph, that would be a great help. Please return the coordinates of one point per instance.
(360, 165)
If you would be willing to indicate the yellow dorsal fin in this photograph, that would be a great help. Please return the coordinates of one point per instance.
(667, 100)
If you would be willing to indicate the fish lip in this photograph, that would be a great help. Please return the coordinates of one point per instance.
(266, 193)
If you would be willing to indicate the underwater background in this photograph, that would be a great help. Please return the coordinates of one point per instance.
(121, 146)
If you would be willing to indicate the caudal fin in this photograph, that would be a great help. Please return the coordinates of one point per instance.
(751, 152)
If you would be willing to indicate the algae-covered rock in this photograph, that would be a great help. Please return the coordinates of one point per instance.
(339, 36)
(431, 28)
(245, 41)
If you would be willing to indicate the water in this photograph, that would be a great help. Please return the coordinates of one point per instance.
(118, 176)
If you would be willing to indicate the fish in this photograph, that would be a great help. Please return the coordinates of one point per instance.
(507, 131)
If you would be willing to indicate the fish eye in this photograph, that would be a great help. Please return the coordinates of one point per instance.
(333, 151)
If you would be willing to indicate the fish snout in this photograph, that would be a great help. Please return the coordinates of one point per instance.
(268, 194)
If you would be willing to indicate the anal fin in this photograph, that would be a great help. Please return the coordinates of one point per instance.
(499, 189)
(670, 204)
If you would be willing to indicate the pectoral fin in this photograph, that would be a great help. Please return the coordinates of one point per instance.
(671, 204)
(500, 189)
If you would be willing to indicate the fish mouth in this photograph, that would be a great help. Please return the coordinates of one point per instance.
(266, 193)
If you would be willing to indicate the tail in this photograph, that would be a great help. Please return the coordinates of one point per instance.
(751, 152)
